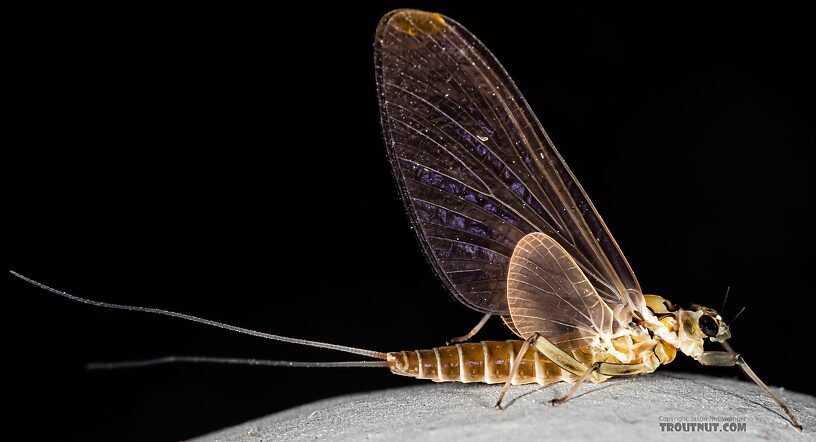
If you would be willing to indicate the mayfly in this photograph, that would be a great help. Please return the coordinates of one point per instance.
(507, 228)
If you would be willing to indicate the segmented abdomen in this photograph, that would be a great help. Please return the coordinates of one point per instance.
(486, 361)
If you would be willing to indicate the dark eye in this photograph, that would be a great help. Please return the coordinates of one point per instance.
(708, 326)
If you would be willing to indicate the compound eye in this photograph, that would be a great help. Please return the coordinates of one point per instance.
(708, 326)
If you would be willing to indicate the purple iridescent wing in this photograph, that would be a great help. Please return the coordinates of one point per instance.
(475, 168)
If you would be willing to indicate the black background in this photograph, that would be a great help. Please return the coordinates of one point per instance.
(228, 163)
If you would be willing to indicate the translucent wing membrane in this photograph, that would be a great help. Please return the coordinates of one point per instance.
(476, 170)
(548, 293)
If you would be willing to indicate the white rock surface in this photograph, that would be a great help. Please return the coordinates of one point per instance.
(618, 410)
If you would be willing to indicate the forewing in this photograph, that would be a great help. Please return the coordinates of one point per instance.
(548, 293)
(475, 169)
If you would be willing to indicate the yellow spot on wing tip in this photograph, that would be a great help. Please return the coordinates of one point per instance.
(415, 22)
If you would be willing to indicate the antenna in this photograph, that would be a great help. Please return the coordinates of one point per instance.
(730, 323)
(725, 298)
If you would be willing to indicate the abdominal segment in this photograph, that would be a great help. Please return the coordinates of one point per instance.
(486, 361)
